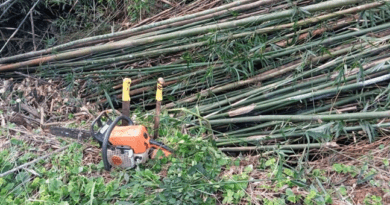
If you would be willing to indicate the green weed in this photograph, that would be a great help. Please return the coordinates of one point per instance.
(372, 200)
(345, 169)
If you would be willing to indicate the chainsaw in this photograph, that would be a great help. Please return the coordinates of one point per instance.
(123, 146)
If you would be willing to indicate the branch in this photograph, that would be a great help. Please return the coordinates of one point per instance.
(5, 3)
(32, 8)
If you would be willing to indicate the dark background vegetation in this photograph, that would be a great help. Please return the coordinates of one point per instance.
(57, 21)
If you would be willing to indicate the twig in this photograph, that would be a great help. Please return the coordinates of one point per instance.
(5, 3)
(32, 162)
(32, 8)
(32, 30)
(42, 115)
(28, 76)
(5, 10)
(29, 109)
(169, 3)
(72, 7)
(32, 172)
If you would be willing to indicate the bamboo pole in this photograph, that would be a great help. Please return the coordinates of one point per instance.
(267, 75)
(235, 134)
(280, 147)
(290, 135)
(190, 32)
(260, 118)
(315, 93)
(122, 33)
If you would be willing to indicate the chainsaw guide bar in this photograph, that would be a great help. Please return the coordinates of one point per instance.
(71, 133)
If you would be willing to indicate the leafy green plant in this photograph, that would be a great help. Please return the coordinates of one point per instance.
(310, 197)
(319, 173)
(345, 169)
(291, 197)
(70, 116)
(343, 191)
(385, 162)
(235, 186)
(316, 197)
(275, 201)
(138, 8)
(372, 200)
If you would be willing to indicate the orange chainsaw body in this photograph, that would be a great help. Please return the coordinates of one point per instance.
(136, 137)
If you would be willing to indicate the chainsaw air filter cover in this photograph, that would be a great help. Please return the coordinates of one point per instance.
(134, 136)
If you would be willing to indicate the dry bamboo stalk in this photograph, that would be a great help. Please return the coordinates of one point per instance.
(317, 32)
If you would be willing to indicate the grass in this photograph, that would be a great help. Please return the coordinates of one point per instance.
(198, 173)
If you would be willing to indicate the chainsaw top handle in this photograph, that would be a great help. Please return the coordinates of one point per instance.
(107, 134)
(102, 127)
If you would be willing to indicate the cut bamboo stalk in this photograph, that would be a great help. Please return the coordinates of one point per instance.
(260, 77)
(258, 139)
(280, 147)
(294, 118)
(316, 93)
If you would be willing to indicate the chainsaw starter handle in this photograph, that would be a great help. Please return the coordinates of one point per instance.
(107, 134)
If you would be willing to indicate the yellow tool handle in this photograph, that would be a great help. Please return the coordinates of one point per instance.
(159, 92)
(160, 83)
(126, 89)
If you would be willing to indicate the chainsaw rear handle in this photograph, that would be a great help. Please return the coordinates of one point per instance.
(107, 134)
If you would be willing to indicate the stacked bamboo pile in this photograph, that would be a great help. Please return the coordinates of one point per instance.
(269, 72)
